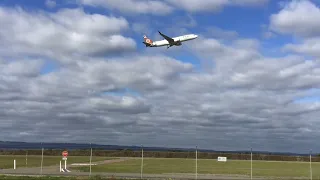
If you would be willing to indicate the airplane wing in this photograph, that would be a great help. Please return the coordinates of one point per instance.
(169, 39)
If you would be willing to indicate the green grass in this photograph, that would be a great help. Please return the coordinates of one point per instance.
(35, 161)
(161, 165)
(36, 178)
(57, 178)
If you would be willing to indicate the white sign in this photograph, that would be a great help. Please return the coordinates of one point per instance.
(64, 158)
(222, 159)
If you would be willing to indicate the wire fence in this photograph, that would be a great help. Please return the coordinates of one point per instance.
(145, 166)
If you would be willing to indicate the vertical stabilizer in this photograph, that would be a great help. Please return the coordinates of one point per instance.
(147, 41)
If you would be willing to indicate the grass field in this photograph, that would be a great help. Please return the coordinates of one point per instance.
(56, 178)
(35, 161)
(260, 168)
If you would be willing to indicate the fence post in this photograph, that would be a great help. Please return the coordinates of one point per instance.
(90, 158)
(196, 162)
(27, 158)
(41, 161)
(310, 165)
(141, 162)
(251, 165)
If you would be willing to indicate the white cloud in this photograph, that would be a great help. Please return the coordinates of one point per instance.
(297, 17)
(246, 92)
(51, 3)
(301, 19)
(241, 65)
(246, 99)
(166, 7)
(250, 2)
(132, 6)
(18, 68)
(199, 5)
(69, 31)
(96, 24)
(205, 5)
(308, 47)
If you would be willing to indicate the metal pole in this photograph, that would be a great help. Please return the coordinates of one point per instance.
(196, 162)
(251, 165)
(41, 160)
(310, 165)
(27, 158)
(90, 158)
(141, 162)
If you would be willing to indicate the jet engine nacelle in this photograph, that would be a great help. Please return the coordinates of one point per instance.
(178, 43)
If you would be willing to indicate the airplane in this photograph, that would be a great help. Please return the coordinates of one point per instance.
(168, 41)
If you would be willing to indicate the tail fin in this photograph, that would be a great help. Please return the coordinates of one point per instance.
(147, 41)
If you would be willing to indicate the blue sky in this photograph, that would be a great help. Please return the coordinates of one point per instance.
(231, 18)
(247, 22)
(251, 76)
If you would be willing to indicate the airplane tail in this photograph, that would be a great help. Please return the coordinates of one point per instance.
(147, 41)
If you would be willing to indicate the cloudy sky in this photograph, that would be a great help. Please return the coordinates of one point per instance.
(77, 71)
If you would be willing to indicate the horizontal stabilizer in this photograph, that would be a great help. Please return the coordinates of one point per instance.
(147, 45)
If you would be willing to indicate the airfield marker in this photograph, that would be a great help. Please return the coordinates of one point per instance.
(90, 158)
(14, 164)
(65, 154)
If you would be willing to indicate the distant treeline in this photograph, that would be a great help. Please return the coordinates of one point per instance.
(168, 154)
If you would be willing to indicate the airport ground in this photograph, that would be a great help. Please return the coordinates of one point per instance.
(14, 177)
(160, 168)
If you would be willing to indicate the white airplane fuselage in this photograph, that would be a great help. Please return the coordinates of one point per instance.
(183, 38)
